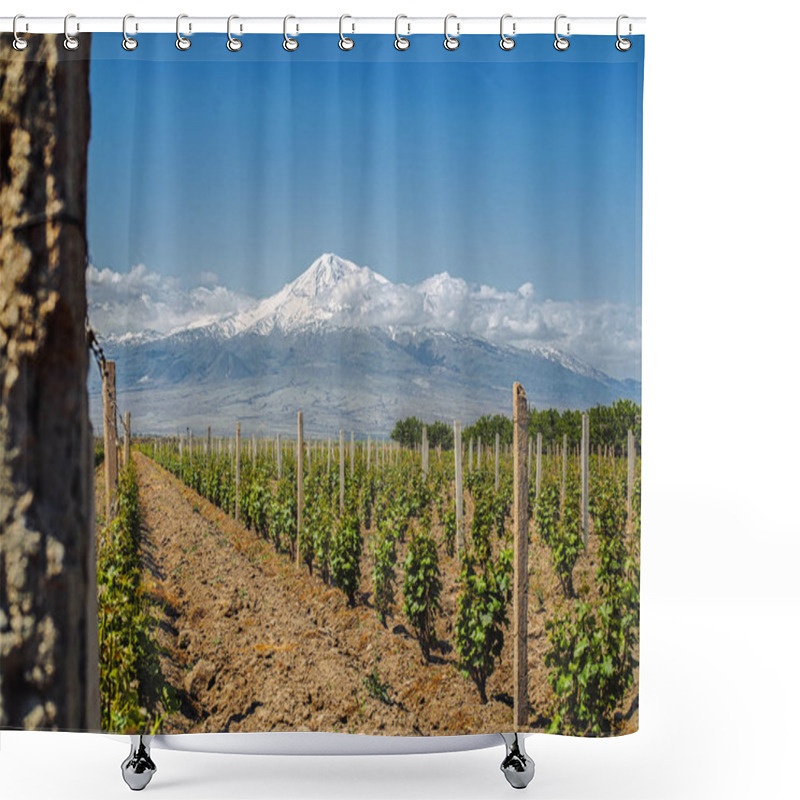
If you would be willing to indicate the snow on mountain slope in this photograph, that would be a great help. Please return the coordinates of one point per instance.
(331, 286)
(336, 294)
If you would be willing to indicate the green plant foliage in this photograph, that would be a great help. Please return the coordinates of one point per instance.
(485, 591)
(377, 688)
(131, 685)
(487, 427)
(592, 650)
(547, 511)
(384, 551)
(591, 667)
(501, 504)
(566, 541)
(422, 588)
(284, 513)
(320, 526)
(346, 556)
(256, 504)
(449, 523)
(481, 531)
(408, 432)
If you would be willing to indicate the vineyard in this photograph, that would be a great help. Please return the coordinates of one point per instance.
(421, 539)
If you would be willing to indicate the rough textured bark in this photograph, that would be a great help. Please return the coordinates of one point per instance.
(48, 620)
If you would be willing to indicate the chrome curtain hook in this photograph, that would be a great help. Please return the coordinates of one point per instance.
(181, 42)
(70, 42)
(128, 42)
(451, 42)
(233, 44)
(401, 42)
(507, 42)
(19, 43)
(560, 43)
(290, 44)
(345, 42)
(623, 44)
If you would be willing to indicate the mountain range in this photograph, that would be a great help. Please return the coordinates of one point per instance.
(333, 343)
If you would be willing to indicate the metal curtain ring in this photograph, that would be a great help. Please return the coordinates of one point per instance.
(290, 44)
(401, 42)
(507, 42)
(70, 42)
(345, 42)
(181, 42)
(560, 43)
(128, 42)
(623, 44)
(19, 43)
(233, 44)
(451, 42)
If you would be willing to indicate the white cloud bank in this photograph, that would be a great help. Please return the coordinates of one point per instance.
(605, 335)
(141, 300)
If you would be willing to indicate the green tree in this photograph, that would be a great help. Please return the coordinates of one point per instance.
(486, 427)
(408, 432)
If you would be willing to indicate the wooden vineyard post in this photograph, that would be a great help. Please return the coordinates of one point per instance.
(479, 453)
(253, 451)
(564, 453)
(425, 450)
(126, 451)
(341, 471)
(352, 453)
(369, 451)
(520, 624)
(279, 452)
(470, 454)
(299, 482)
(238, 466)
(110, 436)
(459, 487)
(191, 446)
(631, 477)
(530, 458)
(208, 441)
(538, 463)
(585, 444)
(496, 461)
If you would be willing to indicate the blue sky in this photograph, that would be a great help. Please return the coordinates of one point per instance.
(500, 167)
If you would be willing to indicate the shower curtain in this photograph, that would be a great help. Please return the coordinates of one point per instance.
(363, 374)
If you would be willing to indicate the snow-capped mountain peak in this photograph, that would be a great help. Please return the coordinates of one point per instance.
(327, 273)
(330, 286)
(336, 294)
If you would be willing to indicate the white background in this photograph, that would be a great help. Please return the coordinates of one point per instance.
(720, 600)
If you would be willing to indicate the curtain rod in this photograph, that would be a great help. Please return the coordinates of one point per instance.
(514, 26)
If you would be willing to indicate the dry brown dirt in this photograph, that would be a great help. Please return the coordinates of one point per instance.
(252, 643)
